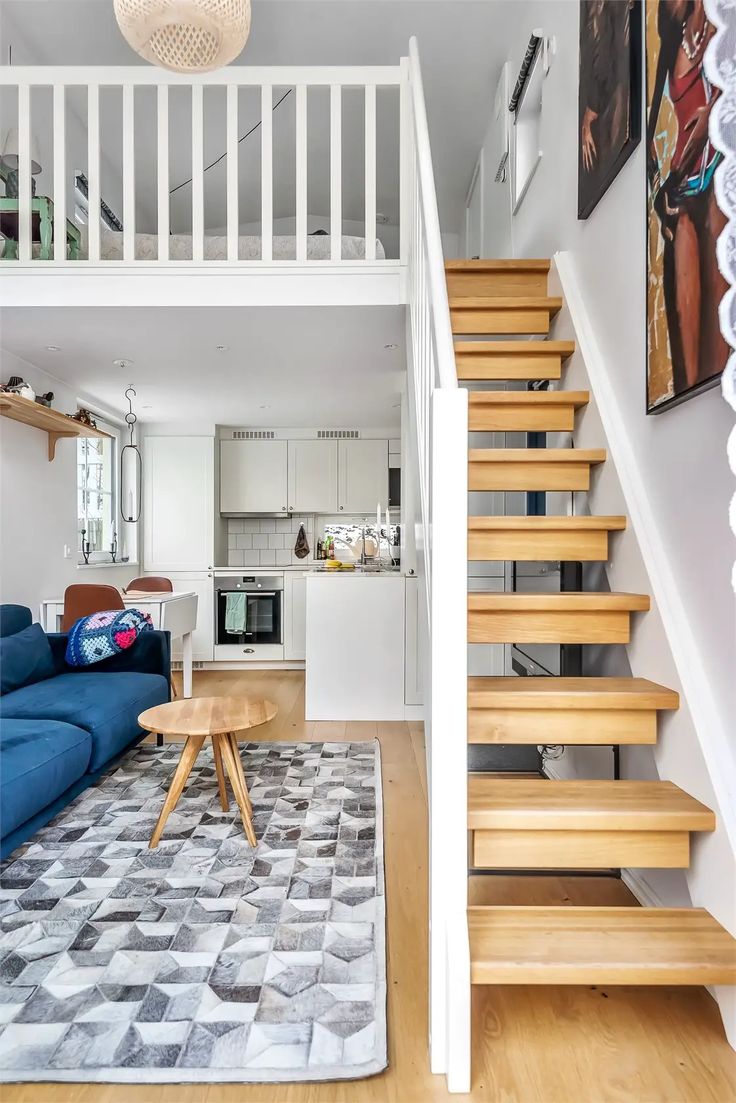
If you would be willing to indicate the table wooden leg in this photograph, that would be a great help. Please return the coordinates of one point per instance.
(222, 787)
(236, 752)
(192, 747)
(237, 780)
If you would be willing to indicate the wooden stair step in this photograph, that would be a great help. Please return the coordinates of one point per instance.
(524, 411)
(565, 711)
(573, 945)
(526, 360)
(534, 539)
(552, 618)
(537, 823)
(532, 468)
(497, 277)
(502, 313)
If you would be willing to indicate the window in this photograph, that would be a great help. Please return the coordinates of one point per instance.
(97, 492)
(527, 126)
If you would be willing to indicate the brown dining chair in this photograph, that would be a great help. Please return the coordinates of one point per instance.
(82, 599)
(151, 584)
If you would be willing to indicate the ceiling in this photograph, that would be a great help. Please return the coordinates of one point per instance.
(308, 366)
(459, 43)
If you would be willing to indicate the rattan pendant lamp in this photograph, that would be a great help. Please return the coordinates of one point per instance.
(186, 36)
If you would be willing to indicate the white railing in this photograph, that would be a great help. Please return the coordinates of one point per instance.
(440, 409)
(136, 132)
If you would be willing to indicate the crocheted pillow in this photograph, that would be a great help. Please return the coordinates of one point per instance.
(101, 635)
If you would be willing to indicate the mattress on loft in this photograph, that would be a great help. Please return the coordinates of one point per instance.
(215, 248)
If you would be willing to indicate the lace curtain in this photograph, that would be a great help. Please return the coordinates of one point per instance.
(720, 64)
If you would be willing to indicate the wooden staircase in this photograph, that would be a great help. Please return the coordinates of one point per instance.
(533, 823)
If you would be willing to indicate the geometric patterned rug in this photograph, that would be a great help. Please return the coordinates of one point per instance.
(203, 960)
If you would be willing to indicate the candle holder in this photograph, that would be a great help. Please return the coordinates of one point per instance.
(86, 546)
(114, 546)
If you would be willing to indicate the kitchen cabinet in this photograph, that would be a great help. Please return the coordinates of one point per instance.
(362, 475)
(295, 615)
(178, 503)
(202, 584)
(312, 476)
(253, 476)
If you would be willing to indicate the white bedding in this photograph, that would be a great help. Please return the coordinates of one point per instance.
(215, 248)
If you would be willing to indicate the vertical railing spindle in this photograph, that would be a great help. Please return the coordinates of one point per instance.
(128, 173)
(231, 142)
(24, 172)
(162, 135)
(301, 172)
(266, 173)
(197, 173)
(59, 172)
(336, 172)
(370, 172)
(93, 172)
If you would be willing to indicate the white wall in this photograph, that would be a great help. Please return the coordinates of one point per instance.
(38, 505)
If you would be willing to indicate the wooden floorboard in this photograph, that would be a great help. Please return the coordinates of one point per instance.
(531, 1045)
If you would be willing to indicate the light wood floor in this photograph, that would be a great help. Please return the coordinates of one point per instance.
(531, 1045)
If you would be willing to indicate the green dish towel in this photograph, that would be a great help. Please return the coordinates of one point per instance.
(236, 613)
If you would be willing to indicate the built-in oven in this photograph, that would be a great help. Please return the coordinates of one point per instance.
(249, 616)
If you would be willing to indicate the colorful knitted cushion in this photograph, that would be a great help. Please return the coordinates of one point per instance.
(92, 639)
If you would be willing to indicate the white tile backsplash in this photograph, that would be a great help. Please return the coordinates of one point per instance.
(267, 541)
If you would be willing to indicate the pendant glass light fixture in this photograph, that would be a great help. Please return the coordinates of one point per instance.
(186, 36)
(131, 469)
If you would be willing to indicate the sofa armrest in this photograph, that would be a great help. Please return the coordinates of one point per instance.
(150, 654)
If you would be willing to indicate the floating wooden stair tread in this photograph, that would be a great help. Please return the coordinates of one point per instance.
(565, 711)
(525, 360)
(552, 618)
(524, 411)
(502, 313)
(489, 264)
(496, 277)
(532, 468)
(529, 945)
(533, 804)
(569, 539)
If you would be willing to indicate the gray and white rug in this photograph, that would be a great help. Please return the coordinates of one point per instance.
(202, 960)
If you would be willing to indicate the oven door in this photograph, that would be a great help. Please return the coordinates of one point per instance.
(262, 623)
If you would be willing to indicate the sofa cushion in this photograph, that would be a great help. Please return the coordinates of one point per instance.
(25, 658)
(39, 760)
(105, 705)
(14, 618)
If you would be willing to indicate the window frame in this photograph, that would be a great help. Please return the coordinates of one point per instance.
(114, 432)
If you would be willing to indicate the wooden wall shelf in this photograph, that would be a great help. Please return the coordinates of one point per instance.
(55, 424)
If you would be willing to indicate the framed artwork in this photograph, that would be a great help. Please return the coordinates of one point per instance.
(609, 94)
(686, 352)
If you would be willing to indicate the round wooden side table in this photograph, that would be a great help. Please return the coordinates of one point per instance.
(220, 718)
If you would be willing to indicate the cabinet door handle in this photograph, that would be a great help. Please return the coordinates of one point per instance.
(291, 509)
(283, 509)
(341, 507)
(248, 651)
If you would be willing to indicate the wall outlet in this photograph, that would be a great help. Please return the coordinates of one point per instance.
(67, 551)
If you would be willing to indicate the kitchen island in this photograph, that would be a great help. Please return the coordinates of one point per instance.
(355, 646)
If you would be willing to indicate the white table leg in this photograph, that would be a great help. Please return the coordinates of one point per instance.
(186, 663)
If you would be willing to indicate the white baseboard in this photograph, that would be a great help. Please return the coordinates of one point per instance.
(641, 889)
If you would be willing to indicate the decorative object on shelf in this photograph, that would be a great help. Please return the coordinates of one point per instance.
(686, 351)
(45, 399)
(186, 36)
(131, 468)
(84, 417)
(17, 385)
(9, 161)
(609, 95)
(86, 546)
(301, 548)
(114, 544)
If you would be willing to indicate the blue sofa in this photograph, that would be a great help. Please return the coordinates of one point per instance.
(60, 726)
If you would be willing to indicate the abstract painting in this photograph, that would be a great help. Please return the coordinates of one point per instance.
(609, 97)
(686, 352)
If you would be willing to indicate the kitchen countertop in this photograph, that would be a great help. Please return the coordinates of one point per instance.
(310, 568)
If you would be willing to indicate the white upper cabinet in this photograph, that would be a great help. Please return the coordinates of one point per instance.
(178, 504)
(363, 475)
(312, 476)
(253, 476)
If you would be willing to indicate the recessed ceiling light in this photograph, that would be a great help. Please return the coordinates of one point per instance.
(221, 348)
(390, 346)
(53, 348)
(264, 407)
(146, 407)
(122, 363)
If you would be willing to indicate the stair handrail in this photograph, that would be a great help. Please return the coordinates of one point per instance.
(438, 410)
